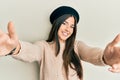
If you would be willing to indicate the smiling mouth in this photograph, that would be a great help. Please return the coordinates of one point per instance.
(65, 34)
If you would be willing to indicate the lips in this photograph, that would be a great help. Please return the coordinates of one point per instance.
(65, 34)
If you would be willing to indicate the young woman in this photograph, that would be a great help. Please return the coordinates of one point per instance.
(60, 55)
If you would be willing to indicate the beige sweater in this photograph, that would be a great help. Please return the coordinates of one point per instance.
(51, 67)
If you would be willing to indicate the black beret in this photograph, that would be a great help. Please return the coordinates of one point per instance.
(61, 11)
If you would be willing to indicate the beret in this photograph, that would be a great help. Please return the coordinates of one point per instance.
(61, 11)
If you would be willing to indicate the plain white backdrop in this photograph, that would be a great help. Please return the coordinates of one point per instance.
(99, 24)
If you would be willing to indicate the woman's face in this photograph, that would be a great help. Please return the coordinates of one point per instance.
(66, 29)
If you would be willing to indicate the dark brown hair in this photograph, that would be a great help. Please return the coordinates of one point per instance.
(70, 58)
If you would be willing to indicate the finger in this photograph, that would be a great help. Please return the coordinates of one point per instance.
(114, 69)
(116, 40)
(11, 31)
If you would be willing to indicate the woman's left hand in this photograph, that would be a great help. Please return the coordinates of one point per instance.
(112, 55)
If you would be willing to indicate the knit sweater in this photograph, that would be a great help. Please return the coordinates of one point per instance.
(51, 67)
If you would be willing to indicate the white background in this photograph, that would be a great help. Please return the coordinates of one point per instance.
(99, 24)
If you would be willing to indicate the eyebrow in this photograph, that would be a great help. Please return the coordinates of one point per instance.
(68, 23)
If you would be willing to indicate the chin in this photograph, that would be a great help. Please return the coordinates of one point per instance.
(63, 39)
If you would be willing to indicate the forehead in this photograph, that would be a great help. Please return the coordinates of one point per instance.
(70, 19)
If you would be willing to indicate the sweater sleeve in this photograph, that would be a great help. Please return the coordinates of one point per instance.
(89, 54)
(30, 52)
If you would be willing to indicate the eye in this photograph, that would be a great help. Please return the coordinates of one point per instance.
(72, 26)
(64, 23)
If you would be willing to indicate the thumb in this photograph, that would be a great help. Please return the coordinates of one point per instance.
(11, 31)
(114, 68)
(116, 40)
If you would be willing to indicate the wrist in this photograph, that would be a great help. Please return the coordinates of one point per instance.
(17, 50)
(14, 51)
(104, 60)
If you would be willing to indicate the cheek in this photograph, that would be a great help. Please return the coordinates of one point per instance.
(59, 33)
(71, 31)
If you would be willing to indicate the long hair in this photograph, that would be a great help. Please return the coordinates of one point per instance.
(70, 58)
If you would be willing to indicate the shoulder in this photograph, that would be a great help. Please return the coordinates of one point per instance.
(79, 43)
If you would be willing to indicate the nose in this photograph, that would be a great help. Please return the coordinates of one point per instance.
(67, 28)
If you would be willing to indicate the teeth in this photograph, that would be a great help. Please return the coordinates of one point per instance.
(64, 33)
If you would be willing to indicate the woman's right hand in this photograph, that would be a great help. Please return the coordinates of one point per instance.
(8, 41)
